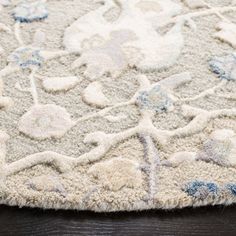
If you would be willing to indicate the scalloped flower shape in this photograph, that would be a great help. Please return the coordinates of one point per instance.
(224, 67)
(45, 121)
(201, 190)
(30, 11)
(117, 173)
(108, 57)
(111, 47)
(26, 57)
(156, 99)
(216, 151)
(46, 183)
(220, 148)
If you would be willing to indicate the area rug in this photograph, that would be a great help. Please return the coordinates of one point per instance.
(118, 104)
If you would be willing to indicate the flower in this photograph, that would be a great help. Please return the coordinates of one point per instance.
(200, 189)
(104, 56)
(46, 183)
(26, 57)
(231, 188)
(156, 99)
(45, 121)
(215, 151)
(220, 148)
(30, 11)
(117, 173)
(224, 67)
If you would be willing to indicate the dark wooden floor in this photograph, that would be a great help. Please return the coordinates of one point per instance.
(202, 221)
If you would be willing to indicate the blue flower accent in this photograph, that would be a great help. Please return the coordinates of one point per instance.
(224, 67)
(30, 11)
(26, 57)
(231, 188)
(200, 189)
(155, 99)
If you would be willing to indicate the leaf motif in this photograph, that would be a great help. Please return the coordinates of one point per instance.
(227, 33)
(58, 84)
(94, 96)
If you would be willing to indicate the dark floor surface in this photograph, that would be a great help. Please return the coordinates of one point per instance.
(201, 221)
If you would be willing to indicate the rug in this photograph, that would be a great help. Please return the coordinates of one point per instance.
(117, 105)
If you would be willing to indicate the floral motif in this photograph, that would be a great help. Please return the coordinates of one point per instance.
(30, 11)
(93, 42)
(215, 151)
(45, 121)
(117, 173)
(26, 57)
(201, 190)
(231, 188)
(108, 57)
(224, 67)
(46, 183)
(107, 47)
(220, 148)
(156, 99)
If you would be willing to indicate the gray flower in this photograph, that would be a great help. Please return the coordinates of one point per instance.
(215, 151)
(26, 57)
(30, 11)
(156, 99)
(224, 67)
(200, 189)
(45, 121)
(219, 148)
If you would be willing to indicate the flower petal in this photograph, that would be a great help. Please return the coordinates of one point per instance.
(45, 121)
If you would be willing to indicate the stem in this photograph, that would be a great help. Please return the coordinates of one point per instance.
(33, 87)
(205, 92)
(17, 32)
(144, 83)
(104, 111)
(152, 158)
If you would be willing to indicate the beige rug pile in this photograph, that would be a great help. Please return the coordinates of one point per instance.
(117, 104)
